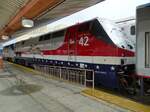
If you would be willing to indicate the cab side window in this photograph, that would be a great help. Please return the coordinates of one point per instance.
(132, 30)
(84, 27)
(98, 31)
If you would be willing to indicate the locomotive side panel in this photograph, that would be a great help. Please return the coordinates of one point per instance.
(86, 45)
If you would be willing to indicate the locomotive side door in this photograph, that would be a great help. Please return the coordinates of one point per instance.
(72, 45)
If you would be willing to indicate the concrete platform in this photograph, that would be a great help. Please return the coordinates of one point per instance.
(25, 91)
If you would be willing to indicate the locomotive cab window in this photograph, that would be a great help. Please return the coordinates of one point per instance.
(98, 31)
(41, 38)
(147, 49)
(58, 34)
(45, 37)
(23, 42)
(132, 30)
(84, 27)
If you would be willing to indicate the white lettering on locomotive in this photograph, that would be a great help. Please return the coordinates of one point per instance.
(84, 41)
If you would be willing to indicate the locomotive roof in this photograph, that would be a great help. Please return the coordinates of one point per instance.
(143, 6)
(45, 29)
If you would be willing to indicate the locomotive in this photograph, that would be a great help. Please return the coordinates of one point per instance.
(96, 44)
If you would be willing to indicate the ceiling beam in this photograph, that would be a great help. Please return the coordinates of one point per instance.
(32, 9)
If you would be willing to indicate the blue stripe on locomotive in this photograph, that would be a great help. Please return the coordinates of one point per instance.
(105, 75)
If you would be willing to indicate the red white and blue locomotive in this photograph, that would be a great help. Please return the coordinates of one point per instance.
(96, 44)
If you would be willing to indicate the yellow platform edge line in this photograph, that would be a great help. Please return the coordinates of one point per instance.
(35, 72)
(25, 68)
(116, 100)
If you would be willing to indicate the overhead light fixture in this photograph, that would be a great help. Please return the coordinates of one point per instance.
(28, 23)
(5, 37)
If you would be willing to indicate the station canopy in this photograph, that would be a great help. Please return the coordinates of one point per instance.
(13, 11)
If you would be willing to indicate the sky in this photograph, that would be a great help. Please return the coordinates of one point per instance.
(109, 9)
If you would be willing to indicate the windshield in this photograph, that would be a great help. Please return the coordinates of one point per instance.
(117, 35)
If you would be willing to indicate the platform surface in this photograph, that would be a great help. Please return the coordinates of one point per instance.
(24, 91)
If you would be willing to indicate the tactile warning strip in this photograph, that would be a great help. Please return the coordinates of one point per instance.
(117, 100)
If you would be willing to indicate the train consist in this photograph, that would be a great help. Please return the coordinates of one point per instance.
(96, 44)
